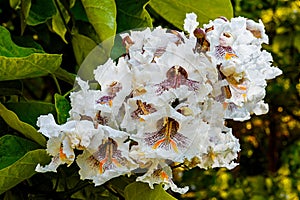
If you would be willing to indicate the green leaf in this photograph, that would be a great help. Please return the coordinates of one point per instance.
(132, 14)
(96, 57)
(65, 75)
(40, 12)
(22, 169)
(9, 49)
(79, 12)
(12, 148)
(29, 111)
(35, 65)
(139, 190)
(15, 4)
(19, 62)
(27, 41)
(82, 46)
(174, 11)
(62, 106)
(27, 130)
(118, 48)
(102, 15)
(25, 10)
(58, 24)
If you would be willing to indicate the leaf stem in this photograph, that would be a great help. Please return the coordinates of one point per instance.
(56, 83)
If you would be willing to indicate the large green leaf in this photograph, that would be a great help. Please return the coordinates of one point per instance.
(174, 11)
(35, 65)
(82, 46)
(40, 12)
(9, 49)
(12, 148)
(29, 111)
(22, 169)
(102, 15)
(132, 14)
(19, 62)
(27, 130)
(138, 190)
(62, 106)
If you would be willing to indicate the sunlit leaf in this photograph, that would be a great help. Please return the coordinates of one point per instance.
(59, 24)
(9, 49)
(138, 190)
(15, 4)
(132, 14)
(13, 148)
(29, 111)
(40, 12)
(22, 169)
(62, 106)
(27, 130)
(19, 62)
(96, 57)
(174, 11)
(31, 66)
(82, 46)
(102, 15)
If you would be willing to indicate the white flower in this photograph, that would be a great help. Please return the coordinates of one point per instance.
(160, 173)
(84, 101)
(115, 81)
(60, 148)
(190, 23)
(222, 148)
(49, 128)
(168, 134)
(106, 157)
(82, 134)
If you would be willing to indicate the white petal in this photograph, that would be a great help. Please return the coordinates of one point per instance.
(190, 23)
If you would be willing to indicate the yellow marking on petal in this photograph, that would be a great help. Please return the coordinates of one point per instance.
(174, 145)
(110, 103)
(164, 175)
(102, 162)
(62, 155)
(229, 55)
(241, 87)
(141, 120)
(142, 106)
(116, 162)
(211, 155)
(245, 97)
(156, 145)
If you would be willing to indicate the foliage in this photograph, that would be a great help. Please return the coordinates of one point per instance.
(42, 46)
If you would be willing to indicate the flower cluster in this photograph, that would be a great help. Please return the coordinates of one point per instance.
(165, 101)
